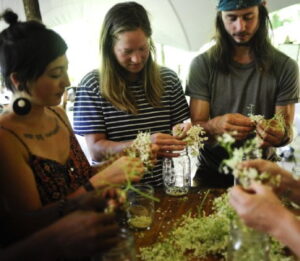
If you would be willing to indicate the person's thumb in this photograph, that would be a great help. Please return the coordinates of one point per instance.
(258, 188)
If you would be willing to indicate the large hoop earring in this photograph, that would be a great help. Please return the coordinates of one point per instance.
(21, 105)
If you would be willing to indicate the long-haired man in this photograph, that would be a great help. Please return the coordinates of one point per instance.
(241, 74)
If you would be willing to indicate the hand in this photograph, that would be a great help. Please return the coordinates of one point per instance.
(272, 169)
(167, 143)
(258, 206)
(97, 200)
(154, 153)
(119, 171)
(182, 129)
(270, 133)
(237, 124)
(85, 233)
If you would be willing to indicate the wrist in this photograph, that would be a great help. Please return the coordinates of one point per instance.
(282, 222)
(286, 137)
(88, 186)
(288, 231)
(99, 180)
(48, 248)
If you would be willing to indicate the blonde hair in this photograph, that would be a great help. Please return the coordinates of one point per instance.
(123, 17)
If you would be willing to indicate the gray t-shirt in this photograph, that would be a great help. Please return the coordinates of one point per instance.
(243, 87)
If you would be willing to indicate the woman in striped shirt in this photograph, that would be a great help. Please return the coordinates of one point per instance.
(130, 93)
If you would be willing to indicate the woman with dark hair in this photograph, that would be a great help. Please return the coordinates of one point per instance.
(241, 74)
(41, 160)
(130, 93)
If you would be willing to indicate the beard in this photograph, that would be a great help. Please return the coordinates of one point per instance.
(246, 44)
(235, 43)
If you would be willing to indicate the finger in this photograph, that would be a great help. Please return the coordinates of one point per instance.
(240, 195)
(155, 138)
(243, 129)
(168, 154)
(258, 188)
(91, 201)
(240, 136)
(242, 121)
(107, 230)
(252, 164)
(107, 244)
(106, 218)
(268, 138)
(234, 195)
(171, 141)
(270, 131)
(170, 148)
(265, 144)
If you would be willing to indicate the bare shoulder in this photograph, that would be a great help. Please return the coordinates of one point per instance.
(7, 126)
(9, 143)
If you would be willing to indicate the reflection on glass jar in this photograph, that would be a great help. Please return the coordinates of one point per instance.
(296, 170)
(124, 251)
(177, 174)
(140, 210)
(246, 244)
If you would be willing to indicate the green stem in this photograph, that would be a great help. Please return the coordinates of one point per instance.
(202, 202)
(130, 187)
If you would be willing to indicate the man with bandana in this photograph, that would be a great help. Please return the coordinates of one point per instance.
(241, 73)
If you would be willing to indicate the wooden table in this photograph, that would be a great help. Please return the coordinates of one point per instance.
(170, 209)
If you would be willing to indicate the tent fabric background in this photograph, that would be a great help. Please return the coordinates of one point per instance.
(185, 24)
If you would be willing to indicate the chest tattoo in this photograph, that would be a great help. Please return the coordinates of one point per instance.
(43, 136)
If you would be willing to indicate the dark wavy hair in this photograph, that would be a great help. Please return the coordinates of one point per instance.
(222, 52)
(26, 48)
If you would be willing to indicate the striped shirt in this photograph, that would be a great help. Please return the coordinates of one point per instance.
(94, 114)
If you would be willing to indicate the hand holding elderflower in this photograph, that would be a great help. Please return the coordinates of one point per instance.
(118, 172)
(288, 185)
(259, 207)
(143, 151)
(143, 148)
(194, 137)
(272, 132)
(249, 150)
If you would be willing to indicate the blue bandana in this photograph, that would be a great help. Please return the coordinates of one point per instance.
(227, 5)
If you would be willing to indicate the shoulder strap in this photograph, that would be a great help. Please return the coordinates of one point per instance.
(18, 138)
(60, 117)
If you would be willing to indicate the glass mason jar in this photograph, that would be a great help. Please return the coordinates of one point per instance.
(177, 174)
(140, 209)
(246, 244)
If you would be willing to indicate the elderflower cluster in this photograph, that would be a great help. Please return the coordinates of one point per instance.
(198, 236)
(245, 176)
(141, 148)
(256, 118)
(277, 122)
(249, 150)
(194, 138)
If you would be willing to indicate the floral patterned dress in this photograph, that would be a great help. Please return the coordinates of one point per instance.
(55, 180)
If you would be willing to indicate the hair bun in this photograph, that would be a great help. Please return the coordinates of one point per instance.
(10, 17)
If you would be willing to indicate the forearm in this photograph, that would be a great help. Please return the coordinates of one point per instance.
(289, 187)
(23, 224)
(104, 148)
(287, 231)
(208, 127)
(40, 246)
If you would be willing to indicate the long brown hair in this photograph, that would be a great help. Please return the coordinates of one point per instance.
(222, 52)
(123, 17)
